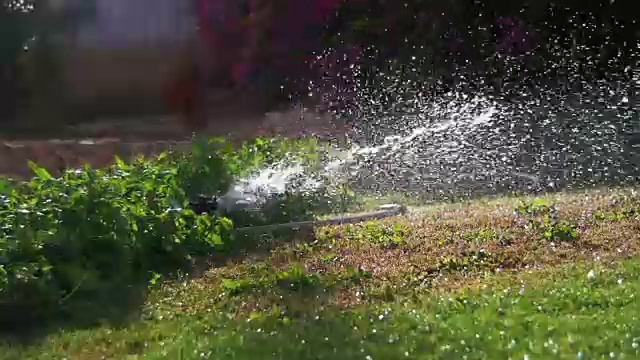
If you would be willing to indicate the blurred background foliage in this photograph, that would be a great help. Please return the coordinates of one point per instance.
(440, 39)
(30, 33)
(16, 28)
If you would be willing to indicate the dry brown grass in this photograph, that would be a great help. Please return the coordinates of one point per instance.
(437, 248)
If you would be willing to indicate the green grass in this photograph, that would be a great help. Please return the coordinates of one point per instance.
(551, 277)
(566, 315)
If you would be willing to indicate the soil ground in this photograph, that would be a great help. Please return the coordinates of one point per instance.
(98, 142)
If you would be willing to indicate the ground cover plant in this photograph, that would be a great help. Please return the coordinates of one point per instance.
(552, 276)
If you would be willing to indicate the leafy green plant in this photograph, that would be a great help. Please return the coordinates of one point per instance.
(533, 208)
(75, 236)
(543, 218)
(475, 260)
(617, 215)
(237, 287)
(357, 274)
(558, 231)
(482, 235)
(93, 227)
(296, 278)
(382, 234)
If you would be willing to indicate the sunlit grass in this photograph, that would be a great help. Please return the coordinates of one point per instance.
(551, 277)
(575, 312)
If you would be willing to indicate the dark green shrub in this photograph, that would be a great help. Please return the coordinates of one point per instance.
(92, 228)
(75, 237)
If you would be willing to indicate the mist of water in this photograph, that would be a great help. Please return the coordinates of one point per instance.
(445, 145)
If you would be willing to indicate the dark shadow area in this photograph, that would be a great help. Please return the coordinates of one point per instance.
(116, 305)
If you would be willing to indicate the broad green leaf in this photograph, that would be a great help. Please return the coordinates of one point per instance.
(119, 162)
(39, 171)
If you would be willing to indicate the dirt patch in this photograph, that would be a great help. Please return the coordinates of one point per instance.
(97, 143)
(56, 156)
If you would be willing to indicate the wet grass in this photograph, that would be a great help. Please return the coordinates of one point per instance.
(523, 278)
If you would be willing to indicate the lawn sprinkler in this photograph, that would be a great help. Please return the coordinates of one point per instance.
(236, 201)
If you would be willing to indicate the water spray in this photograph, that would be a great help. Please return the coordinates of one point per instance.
(557, 126)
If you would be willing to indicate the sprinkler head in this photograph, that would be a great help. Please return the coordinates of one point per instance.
(204, 204)
(235, 200)
(230, 202)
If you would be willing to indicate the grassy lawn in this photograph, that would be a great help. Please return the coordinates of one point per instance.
(523, 278)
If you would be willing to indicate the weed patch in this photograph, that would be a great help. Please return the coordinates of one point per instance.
(294, 278)
(466, 262)
(373, 232)
(486, 236)
(543, 219)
